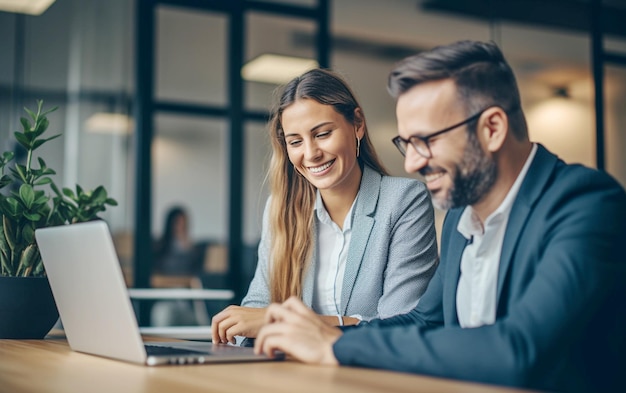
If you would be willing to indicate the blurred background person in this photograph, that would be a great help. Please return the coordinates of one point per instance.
(176, 254)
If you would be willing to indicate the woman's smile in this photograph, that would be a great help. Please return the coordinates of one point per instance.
(321, 169)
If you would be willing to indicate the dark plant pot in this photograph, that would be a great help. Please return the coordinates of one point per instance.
(27, 307)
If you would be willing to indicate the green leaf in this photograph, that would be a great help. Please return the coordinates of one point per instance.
(42, 181)
(30, 113)
(55, 189)
(68, 193)
(111, 202)
(27, 194)
(55, 219)
(26, 126)
(9, 233)
(38, 267)
(41, 200)
(37, 143)
(42, 125)
(40, 142)
(32, 216)
(34, 175)
(18, 172)
(44, 208)
(5, 249)
(6, 157)
(28, 257)
(12, 206)
(6, 268)
(49, 110)
(22, 139)
(21, 170)
(4, 181)
(99, 195)
(28, 234)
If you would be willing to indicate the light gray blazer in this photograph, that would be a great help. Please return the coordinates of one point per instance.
(392, 255)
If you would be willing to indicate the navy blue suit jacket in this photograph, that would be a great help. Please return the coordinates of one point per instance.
(561, 319)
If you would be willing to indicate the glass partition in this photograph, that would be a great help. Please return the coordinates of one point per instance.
(270, 34)
(615, 122)
(191, 56)
(190, 170)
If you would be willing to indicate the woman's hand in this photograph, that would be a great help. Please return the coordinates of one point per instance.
(236, 321)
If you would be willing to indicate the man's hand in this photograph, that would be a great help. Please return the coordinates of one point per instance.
(236, 321)
(297, 331)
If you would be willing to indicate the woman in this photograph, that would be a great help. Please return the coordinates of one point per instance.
(175, 253)
(352, 242)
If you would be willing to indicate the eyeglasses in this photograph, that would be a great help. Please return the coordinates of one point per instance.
(420, 143)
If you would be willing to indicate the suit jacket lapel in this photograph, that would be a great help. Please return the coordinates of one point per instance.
(362, 226)
(454, 252)
(531, 189)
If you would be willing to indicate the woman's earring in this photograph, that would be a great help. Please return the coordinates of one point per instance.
(358, 146)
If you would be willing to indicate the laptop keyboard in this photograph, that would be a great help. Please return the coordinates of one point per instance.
(155, 350)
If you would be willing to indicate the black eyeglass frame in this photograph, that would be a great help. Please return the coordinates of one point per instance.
(398, 139)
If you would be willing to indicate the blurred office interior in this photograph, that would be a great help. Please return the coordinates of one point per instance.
(154, 107)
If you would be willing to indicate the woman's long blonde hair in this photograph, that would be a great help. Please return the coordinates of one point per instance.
(293, 197)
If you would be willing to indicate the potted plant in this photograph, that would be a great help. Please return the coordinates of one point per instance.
(27, 308)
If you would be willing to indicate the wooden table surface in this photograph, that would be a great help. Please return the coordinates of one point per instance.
(49, 365)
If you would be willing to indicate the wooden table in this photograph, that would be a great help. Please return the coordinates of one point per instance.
(50, 366)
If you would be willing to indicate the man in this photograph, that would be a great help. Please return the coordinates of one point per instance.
(530, 290)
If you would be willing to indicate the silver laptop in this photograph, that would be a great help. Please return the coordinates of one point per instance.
(95, 309)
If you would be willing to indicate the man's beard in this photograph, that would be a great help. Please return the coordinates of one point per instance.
(475, 175)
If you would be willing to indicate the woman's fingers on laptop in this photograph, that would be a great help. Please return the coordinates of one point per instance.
(216, 321)
(236, 321)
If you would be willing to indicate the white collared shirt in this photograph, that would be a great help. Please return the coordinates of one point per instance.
(332, 253)
(476, 290)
